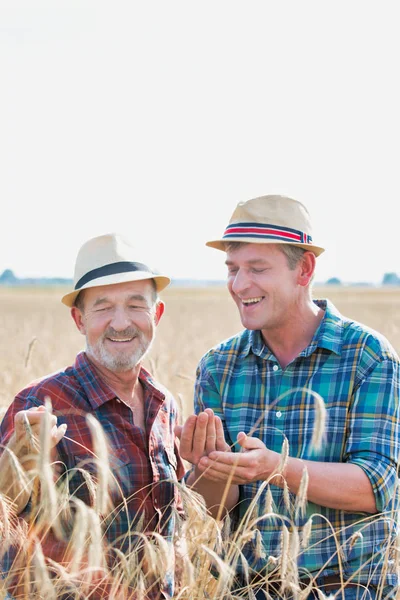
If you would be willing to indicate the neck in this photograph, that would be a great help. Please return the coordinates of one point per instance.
(124, 384)
(289, 339)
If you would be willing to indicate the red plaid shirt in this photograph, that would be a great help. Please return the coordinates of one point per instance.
(145, 463)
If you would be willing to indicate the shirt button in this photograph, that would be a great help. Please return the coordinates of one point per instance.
(279, 414)
(275, 368)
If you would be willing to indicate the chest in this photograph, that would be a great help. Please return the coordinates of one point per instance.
(138, 414)
(136, 405)
(276, 404)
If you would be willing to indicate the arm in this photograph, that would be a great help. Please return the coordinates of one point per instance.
(335, 485)
(367, 477)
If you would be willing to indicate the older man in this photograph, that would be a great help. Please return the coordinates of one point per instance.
(262, 383)
(115, 305)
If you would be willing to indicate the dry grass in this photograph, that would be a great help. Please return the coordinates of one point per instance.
(38, 338)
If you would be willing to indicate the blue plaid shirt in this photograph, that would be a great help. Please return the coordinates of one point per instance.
(356, 372)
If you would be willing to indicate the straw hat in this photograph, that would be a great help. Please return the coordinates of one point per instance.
(109, 259)
(269, 220)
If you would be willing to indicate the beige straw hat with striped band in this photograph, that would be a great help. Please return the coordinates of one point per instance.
(269, 220)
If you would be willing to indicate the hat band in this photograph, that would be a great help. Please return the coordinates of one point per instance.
(258, 231)
(112, 269)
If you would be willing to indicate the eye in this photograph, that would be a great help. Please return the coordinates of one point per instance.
(232, 271)
(258, 270)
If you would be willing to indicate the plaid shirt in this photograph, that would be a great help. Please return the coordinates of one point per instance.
(356, 372)
(144, 463)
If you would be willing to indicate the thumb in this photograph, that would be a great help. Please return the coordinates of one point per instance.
(178, 431)
(247, 442)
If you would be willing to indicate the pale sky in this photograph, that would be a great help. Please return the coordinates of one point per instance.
(155, 118)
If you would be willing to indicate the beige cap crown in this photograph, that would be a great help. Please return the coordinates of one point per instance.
(269, 220)
(109, 259)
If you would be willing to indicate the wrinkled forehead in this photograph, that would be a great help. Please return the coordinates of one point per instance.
(145, 289)
(247, 252)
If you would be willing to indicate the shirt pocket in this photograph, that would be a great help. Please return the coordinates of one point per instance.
(84, 475)
(174, 486)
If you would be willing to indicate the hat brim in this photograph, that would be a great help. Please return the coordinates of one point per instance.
(221, 244)
(161, 282)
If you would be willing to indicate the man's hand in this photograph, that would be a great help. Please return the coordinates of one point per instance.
(253, 463)
(27, 424)
(201, 435)
(25, 445)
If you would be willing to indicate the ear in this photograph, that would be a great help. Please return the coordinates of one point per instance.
(160, 307)
(306, 268)
(77, 316)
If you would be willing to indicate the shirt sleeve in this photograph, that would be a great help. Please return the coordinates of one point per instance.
(207, 395)
(373, 440)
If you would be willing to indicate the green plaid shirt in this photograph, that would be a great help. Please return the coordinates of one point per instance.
(356, 372)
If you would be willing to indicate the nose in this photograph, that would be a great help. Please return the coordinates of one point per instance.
(120, 319)
(240, 282)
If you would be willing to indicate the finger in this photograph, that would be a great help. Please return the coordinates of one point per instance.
(220, 439)
(218, 471)
(200, 435)
(248, 442)
(46, 423)
(211, 434)
(211, 476)
(186, 437)
(23, 429)
(178, 431)
(34, 417)
(58, 434)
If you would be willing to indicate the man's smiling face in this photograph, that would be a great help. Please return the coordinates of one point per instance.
(119, 323)
(262, 285)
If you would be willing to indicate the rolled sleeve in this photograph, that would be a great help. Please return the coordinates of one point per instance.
(373, 440)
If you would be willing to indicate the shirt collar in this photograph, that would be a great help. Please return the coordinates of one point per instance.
(328, 335)
(151, 386)
(97, 390)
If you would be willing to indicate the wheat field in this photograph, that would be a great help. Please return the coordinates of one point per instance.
(39, 337)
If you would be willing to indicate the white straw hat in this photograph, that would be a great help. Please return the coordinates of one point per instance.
(269, 220)
(109, 259)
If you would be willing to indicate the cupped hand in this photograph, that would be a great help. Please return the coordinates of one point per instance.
(200, 435)
(28, 423)
(253, 463)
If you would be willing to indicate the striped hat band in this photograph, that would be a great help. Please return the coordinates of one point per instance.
(268, 231)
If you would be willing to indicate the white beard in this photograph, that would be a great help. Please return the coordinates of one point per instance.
(122, 361)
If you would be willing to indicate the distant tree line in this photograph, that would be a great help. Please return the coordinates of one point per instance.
(388, 279)
(8, 278)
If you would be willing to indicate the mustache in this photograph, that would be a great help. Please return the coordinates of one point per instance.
(126, 333)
